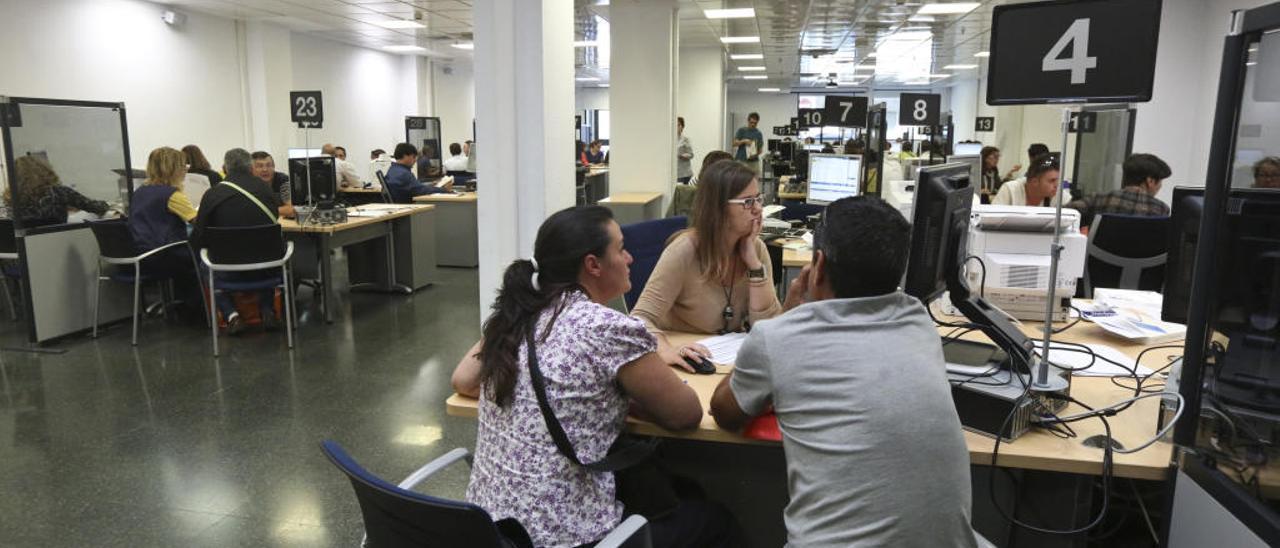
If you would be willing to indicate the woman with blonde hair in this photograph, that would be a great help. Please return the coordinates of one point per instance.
(158, 216)
(715, 277)
(43, 200)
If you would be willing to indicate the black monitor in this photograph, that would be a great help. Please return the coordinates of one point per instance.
(324, 180)
(939, 245)
(1245, 294)
(786, 151)
(773, 145)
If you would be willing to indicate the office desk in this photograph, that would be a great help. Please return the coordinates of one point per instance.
(793, 196)
(360, 196)
(406, 262)
(633, 207)
(596, 185)
(457, 242)
(1036, 450)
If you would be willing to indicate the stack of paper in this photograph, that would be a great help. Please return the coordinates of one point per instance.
(724, 348)
(1134, 315)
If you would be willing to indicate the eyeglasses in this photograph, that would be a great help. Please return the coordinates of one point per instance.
(749, 204)
(1269, 175)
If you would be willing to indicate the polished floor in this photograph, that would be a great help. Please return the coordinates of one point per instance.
(163, 445)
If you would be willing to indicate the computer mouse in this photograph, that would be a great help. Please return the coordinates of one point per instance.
(701, 365)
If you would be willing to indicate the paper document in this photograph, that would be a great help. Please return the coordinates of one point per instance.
(724, 348)
(1074, 357)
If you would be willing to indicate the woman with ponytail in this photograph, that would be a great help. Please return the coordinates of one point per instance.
(596, 364)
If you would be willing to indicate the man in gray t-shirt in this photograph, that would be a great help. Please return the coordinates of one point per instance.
(875, 453)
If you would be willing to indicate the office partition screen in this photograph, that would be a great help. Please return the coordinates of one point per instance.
(81, 145)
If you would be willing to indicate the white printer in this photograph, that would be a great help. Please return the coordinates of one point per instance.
(1013, 244)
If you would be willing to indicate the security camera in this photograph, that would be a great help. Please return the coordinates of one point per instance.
(173, 18)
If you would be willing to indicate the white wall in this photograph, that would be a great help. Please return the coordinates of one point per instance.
(180, 85)
(590, 98)
(775, 109)
(455, 99)
(700, 99)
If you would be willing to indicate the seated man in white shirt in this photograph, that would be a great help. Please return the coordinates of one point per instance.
(457, 161)
(347, 176)
(1039, 188)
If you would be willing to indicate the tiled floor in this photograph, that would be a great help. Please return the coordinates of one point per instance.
(163, 445)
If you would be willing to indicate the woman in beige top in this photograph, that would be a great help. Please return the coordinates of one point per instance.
(714, 277)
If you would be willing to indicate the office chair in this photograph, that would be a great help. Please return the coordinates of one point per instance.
(246, 249)
(11, 268)
(645, 241)
(461, 178)
(116, 248)
(395, 516)
(1126, 252)
(382, 182)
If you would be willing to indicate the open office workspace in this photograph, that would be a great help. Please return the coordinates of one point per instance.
(820, 273)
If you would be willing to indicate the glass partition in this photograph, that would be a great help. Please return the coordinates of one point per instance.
(424, 132)
(1257, 155)
(78, 145)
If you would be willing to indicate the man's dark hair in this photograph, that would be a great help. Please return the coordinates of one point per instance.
(404, 149)
(344, 151)
(1140, 166)
(1037, 149)
(455, 149)
(865, 241)
(376, 153)
(261, 155)
(595, 143)
(1041, 164)
(754, 115)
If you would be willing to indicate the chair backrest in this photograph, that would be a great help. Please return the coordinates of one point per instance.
(1127, 252)
(244, 244)
(114, 239)
(8, 238)
(800, 212)
(382, 183)
(461, 177)
(395, 517)
(645, 242)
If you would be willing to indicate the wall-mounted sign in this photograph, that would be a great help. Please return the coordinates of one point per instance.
(985, 123)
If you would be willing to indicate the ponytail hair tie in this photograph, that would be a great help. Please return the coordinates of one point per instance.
(535, 263)
(533, 280)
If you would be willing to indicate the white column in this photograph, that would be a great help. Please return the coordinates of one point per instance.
(701, 99)
(524, 121)
(964, 108)
(642, 77)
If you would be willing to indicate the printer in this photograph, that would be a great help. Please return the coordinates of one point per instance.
(1013, 244)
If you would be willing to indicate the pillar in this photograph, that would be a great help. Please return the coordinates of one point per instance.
(524, 125)
(642, 77)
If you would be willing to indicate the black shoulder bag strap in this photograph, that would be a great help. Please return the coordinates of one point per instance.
(625, 452)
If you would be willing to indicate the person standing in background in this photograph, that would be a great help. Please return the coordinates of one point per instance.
(748, 141)
(684, 154)
(347, 176)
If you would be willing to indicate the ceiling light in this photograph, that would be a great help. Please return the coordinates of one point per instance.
(585, 43)
(403, 49)
(939, 75)
(954, 8)
(587, 79)
(400, 24)
(750, 69)
(602, 85)
(740, 39)
(960, 67)
(982, 54)
(465, 45)
(755, 77)
(746, 56)
(767, 90)
(871, 55)
(737, 13)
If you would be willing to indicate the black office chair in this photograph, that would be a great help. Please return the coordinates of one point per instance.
(248, 249)
(382, 182)
(395, 516)
(1126, 252)
(117, 249)
(9, 265)
(462, 178)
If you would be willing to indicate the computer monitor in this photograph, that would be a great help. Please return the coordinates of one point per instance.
(974, 161)
(968, 149)
(772, 145)
(939, 245)
(786, 151)
(834, 176)
(1245, 293)
(324, 181)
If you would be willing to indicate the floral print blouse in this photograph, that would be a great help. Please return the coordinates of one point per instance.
(517, 471)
